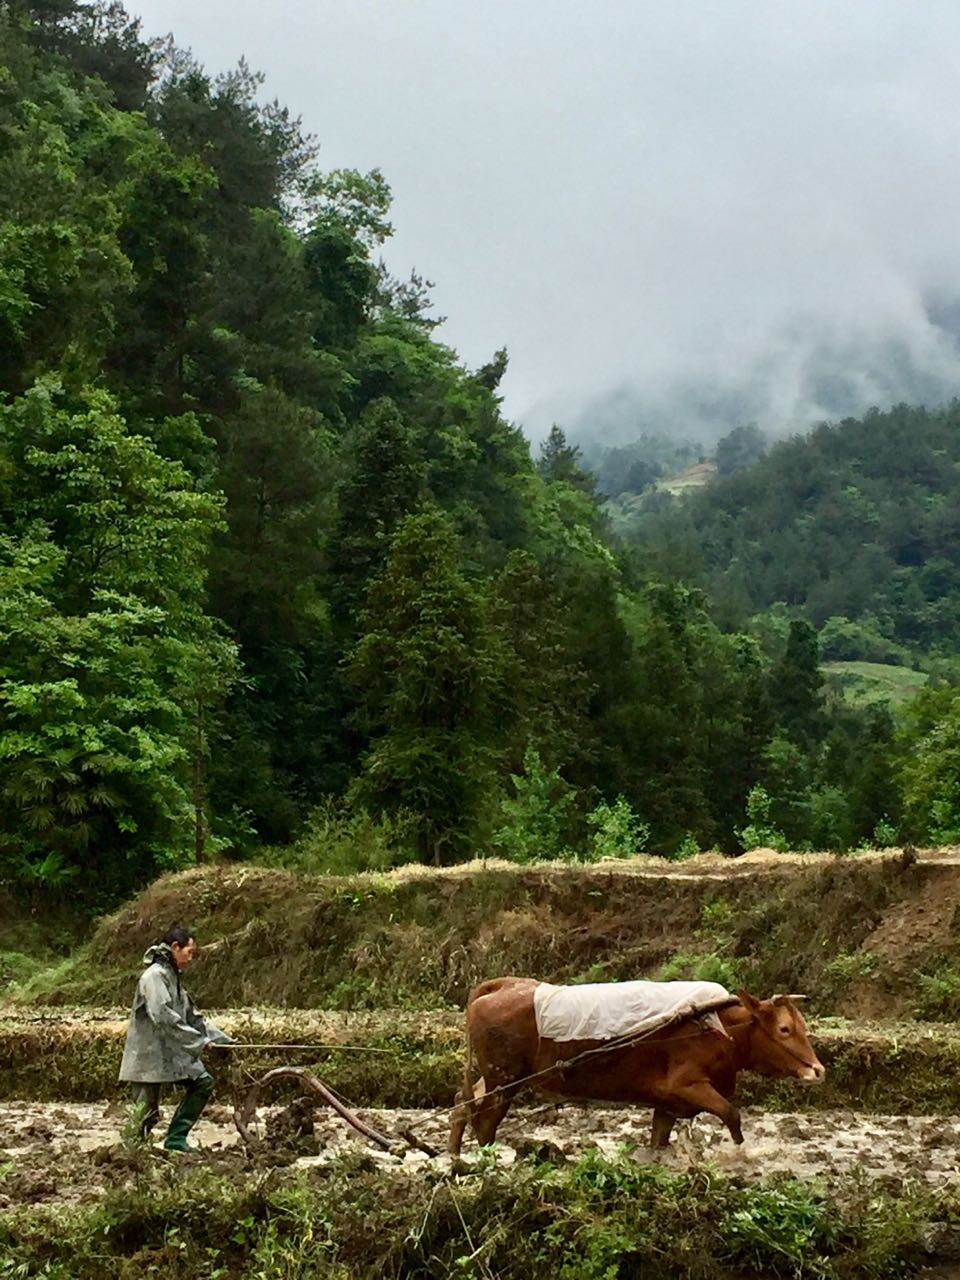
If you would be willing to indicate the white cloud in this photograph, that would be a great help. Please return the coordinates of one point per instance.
(639, 195)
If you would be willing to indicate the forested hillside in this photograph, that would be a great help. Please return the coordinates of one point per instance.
(275, 567)
(855, 521)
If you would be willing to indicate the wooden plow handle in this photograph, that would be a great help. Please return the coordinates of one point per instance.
(245, 1111)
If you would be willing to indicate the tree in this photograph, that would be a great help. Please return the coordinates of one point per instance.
(102, 560)
(427, 671)
(537, 821)
(561, 462)
(549, 688)
(384, 482)
(741, 448)
(930, 766)
(796, 684)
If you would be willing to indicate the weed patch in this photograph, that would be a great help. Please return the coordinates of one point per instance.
(591, 1221)
(939, 991)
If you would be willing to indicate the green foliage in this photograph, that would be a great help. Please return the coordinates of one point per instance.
(709, 966)
(885, 834)
(339, 840)
(849, 966)
(101, 628)
(939, 995)
(865, 684)
(930, 767)
(427, 670)
(788, 1230)
(852, 521)
(618, 831)
(843, 640)
(537, 814)
(625, 470)
(596, 1220)
(741, 448)
(414, 600)
(760, 832)
(687, 848)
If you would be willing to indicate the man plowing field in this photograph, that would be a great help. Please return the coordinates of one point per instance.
(165, 1039)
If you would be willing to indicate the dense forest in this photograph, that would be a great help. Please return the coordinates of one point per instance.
(277, 572)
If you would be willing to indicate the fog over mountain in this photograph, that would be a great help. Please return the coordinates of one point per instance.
(680, 215)
(813, 371)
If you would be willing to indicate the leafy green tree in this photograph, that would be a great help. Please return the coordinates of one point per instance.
(384, 482)
(537, 817)
(560, 461)
(930, 768)
(760, 831)
(617, 831)
(549, 687)
(427, 671)
(103, 560)
(62, 272)
(796, 683)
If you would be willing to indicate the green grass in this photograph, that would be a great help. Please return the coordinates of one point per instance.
(861, 683)
(598, 1219)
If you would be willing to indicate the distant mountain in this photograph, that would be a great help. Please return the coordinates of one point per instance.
(860, 520)
(807, 374)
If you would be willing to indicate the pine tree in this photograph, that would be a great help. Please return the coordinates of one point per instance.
(427, 671)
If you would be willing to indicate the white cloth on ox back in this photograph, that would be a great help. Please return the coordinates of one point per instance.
(606, 1010)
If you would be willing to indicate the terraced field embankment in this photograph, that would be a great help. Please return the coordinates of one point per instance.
(859, 934)
(401, 1058)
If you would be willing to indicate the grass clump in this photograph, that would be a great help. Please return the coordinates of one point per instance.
(939, 996)
(341, 840)
(593, 1220)
(848, 967)
(707, 966)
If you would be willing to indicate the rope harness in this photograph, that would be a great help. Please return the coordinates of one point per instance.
(609, 1046)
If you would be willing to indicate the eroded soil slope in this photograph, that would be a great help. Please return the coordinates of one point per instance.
(857, 934)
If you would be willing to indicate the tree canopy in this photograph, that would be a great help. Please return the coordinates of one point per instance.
(267, 544)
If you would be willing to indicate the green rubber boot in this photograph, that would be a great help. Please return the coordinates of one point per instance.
(187, 1114)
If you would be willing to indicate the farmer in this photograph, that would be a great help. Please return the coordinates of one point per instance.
(165, 1039)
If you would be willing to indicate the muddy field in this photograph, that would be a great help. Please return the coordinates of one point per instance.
(71, 1153)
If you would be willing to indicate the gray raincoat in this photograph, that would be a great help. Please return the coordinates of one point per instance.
(166, 1035)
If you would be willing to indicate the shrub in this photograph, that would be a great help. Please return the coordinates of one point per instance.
(939, 992)
(341, 839)
(760, 833)
(618, 832)
(537, 814)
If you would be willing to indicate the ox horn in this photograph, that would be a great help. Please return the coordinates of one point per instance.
(780, 997)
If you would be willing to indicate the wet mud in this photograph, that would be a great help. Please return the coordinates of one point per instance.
(74, 1153)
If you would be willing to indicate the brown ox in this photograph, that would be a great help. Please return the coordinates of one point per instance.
(680, 1070)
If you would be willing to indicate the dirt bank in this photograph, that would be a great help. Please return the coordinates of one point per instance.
(854, 933)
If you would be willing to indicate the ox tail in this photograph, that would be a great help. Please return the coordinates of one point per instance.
(473, 1086)
(463, 1100)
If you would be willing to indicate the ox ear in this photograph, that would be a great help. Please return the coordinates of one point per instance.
(747, 1000)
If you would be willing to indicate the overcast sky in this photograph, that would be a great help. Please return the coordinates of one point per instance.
(635, 194)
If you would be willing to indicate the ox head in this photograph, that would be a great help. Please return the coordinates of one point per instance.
(780, 1045)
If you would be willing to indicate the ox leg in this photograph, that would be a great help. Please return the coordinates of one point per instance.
(489, 1110)
(458, 1122)
(663, 1123)
(704, 1097)
(463, 1105)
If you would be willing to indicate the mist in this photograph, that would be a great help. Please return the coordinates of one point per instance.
(674, 217)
